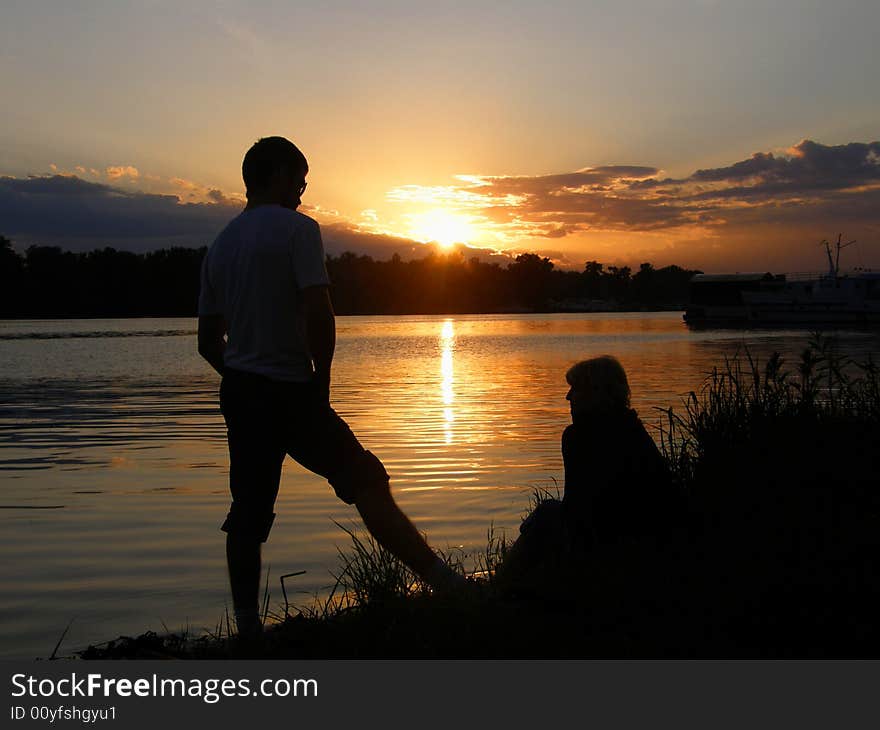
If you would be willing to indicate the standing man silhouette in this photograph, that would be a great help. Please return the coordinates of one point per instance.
(266, 324)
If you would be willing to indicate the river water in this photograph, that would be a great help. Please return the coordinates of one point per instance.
(113, 461)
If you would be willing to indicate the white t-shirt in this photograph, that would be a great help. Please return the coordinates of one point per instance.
(252, 275)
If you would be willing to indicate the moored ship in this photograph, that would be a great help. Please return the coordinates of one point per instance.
(829, 299)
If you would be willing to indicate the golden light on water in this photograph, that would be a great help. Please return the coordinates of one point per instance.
(447, 345)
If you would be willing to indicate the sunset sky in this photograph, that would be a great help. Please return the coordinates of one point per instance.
(716, 135)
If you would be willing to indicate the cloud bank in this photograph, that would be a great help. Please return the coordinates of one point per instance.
(767, 210)
(80, 215)
(810, 177)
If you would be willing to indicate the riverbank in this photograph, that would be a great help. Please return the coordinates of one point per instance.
(774, 556)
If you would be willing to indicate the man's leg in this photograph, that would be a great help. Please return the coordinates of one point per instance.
(247, 528)
(323, 443)
(366, 483)
(394, 531)
(256, 454)
(243, 561)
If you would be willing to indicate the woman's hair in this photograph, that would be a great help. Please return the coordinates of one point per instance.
(604, 378)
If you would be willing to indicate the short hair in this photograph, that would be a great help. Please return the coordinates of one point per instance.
(268, 156)
(604, 377)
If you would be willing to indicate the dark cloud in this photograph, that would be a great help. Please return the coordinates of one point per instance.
(76, 213)
(808, 164)
(632, 198)
(339, 238)
(597, 178)
(79, 215)
(559, 231)
(54, 185)
(760, 163)
(220, 198)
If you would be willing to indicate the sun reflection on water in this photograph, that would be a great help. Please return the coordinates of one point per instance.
(447, 346)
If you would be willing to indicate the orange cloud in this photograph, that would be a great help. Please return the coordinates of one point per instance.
(204, 194)
(115, 172)
(218, 197)
(179, 182)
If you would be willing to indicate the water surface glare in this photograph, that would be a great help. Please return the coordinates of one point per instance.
(113, 454)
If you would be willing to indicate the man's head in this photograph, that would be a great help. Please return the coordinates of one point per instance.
(274, 171)
(597, 385)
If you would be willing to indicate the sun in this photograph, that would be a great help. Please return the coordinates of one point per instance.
(442, 227)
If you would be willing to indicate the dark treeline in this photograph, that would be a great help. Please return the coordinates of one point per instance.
(451, 283)
(49, 282)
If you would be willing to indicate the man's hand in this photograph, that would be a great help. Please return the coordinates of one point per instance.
(212, 329)
(320, 324)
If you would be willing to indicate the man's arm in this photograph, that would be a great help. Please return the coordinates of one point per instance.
(212, 329)
(320, 325)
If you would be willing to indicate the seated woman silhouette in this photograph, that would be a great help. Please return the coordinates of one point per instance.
(617, 484)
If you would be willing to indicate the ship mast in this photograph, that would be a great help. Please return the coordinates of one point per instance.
(834, 263)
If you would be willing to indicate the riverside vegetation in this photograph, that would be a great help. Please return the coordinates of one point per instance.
(774, 556)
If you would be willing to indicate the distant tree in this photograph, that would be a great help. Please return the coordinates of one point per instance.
(531, 277)
(7, 253)
(593, 269)
(618, 278)
(643, 285)
(11, 279)
(54, 283)
(592, 280)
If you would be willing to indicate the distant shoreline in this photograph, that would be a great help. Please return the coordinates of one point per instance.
(47, 282)
(47, 318)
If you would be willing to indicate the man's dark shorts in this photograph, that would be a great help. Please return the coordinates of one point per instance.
(267, 419)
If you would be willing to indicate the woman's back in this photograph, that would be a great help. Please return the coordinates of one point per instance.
(616, 481)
